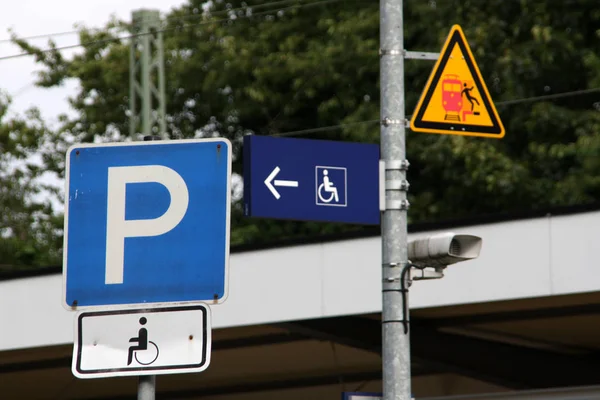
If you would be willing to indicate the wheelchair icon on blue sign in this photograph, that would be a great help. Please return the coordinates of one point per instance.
(331, 186)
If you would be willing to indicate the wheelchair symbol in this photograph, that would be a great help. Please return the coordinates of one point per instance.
(328, 187)
(147, 354)
(331, 186)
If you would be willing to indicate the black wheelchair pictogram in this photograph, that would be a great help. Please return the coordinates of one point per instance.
(148, 355)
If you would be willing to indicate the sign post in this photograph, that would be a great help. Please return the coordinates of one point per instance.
(146, 224)
(147, 384)
(455, 101)
(395, 341)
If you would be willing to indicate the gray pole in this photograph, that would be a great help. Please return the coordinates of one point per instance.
(143, 22)
(162, 99)
(133, 65)
(396, 342)
(146, 83)
(147, 387)
(147, 383)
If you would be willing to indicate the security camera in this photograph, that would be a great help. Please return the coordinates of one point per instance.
(439, 251)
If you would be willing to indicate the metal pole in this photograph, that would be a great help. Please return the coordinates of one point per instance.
(147, 387)
(162, 98)
(396, 342)
(145, 75)
(133, 120)
(147, 383)
(142, 20)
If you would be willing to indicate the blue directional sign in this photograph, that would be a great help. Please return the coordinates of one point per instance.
(147, 222)
(315, 180)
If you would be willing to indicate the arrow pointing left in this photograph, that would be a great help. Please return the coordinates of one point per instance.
(277, 182)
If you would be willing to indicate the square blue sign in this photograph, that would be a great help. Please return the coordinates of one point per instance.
(147, 222)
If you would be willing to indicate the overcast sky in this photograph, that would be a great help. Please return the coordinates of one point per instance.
(38, 17)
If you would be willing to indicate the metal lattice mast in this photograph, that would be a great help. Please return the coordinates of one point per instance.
(147, 101)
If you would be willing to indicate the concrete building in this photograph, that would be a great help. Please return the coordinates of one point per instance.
(302, 321)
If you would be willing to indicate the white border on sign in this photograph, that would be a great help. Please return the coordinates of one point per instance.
(66, 223)
(142, 371)
(317, 186)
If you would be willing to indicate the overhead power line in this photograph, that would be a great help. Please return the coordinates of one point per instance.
(500, 103)
(167, 19)
(549, 96)
(299, 4)
(253, 14)
(42, 36)
(227, 11)
(325, 128)
(185, 17)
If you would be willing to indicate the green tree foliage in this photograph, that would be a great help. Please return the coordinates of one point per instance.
(30, 230)
(279, 68)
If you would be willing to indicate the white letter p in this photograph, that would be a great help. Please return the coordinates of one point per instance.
(117, 228)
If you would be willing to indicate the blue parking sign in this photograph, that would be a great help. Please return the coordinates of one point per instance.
(147, 222)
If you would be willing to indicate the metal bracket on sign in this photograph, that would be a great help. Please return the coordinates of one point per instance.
(390, 52)
(396, 205)
(389, 121)
(425, 274)
(396, 165)
(397, 184)
(421, 55)
(393, 184)
(414, 55)
(381, 185)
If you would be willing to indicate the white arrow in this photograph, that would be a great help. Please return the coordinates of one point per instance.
(277, 182)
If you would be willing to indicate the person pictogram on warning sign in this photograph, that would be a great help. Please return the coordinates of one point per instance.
(467, 92)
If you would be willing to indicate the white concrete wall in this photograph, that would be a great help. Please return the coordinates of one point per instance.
(519, 259)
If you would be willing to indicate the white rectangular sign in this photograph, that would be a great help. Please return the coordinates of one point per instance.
(165, 340)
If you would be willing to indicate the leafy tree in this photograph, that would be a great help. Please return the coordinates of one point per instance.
(30, 230)
(525, 49)
(272, 69)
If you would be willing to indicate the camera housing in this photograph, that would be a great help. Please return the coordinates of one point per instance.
(439, 251)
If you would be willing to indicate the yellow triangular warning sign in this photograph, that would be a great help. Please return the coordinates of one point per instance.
(456, 100)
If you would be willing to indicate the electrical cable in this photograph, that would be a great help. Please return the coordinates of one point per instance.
(404, 291)
(500, 103)
(325, 128)
(119, 38)
(291, 133)
(41, 36)
(22, 90)
(167, 19)
(227, 11)
(548, 96)
(173, 18)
